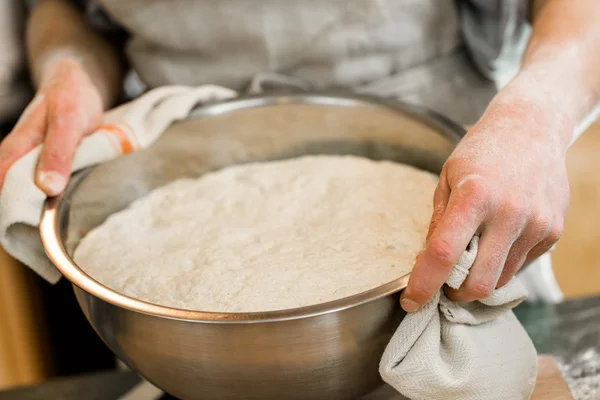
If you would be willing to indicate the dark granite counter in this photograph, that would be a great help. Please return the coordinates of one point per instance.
(570, 331)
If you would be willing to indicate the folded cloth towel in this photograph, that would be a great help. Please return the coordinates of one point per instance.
(133, 126)
(464, 351)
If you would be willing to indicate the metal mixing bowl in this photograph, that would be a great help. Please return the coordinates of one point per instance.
(326, 351)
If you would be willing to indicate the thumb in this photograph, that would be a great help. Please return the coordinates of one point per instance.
(67, 125)
(440, 201)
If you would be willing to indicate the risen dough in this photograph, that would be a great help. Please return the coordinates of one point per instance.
(266, 236)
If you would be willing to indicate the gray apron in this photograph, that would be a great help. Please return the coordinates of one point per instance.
(407, 49)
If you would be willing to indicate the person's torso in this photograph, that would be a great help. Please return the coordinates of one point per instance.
(407, 49)
(334, 42)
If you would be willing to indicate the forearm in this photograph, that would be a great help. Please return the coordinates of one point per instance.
(55, 32)
(560, 73)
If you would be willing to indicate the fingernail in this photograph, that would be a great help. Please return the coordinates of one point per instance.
(409, 305)
(52, 182)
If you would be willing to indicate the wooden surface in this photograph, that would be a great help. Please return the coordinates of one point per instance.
(550, 384)
(577, 256)
(22, 352)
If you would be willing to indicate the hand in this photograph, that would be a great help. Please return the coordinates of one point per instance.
(66, 107)
(506, 181)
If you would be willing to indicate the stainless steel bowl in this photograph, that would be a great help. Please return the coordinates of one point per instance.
(326, 351)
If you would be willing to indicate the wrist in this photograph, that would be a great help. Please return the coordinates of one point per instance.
(57, 35)
(529, 104)
(65, 64)
(49, 65)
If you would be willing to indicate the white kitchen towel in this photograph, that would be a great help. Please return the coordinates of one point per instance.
(133, 126)
(463, 351)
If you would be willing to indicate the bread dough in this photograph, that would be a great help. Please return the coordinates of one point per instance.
(266, 236)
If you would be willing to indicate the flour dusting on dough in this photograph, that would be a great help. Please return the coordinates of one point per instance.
(266, 236)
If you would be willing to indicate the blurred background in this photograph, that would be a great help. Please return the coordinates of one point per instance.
(42, 332)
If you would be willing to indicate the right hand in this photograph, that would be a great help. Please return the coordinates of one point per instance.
(66, 108)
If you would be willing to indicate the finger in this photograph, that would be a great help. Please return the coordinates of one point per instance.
(494, 247)
(26, 135)
(515, 260)
(532, 236)
(67, 124)
(461, 220)
(440, 201)
(553, 236)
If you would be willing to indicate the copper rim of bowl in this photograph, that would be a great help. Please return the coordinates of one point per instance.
(65, 264)
(56, 252)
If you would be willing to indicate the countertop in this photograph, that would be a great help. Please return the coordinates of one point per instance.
(569, 331)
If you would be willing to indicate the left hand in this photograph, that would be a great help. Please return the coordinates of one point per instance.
(507, 182)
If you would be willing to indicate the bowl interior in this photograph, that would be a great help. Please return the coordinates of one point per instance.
(241, 131)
